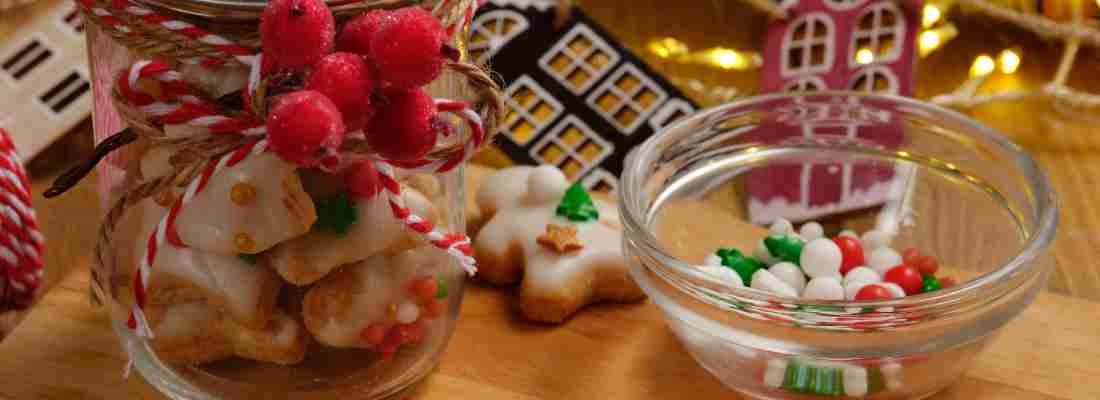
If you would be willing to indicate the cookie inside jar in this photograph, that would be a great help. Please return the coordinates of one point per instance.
(288, 272)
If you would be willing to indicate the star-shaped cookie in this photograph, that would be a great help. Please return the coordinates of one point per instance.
(556, 278)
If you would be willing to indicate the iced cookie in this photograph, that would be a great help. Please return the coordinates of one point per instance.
(362, 304)
(563, 248)
(305, 259)
(248, 208)
(194, 333)
(244, 287)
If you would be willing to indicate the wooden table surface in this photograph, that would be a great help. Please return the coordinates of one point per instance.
(65, 350)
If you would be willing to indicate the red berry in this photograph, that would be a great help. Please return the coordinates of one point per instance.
(303, 125)
(408, 51)
(927, 265)
(873, 292)
(947, 281)
(907, 277)
(363, 181)
(374, 334)
(433, 309)
(346, 80)
(404, 128)
(851, 251)
(425, 288)
(296, 33)
(910, 256)
(356, 35)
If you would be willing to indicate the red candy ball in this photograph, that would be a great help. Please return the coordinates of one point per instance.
(424, 288)
(907, 277)
(927, 265)
(851, 251)
(404, 127)
(346, 80)
(301, 125)
(357, 33)
(363, 181)
(433, 309)
(374, 334)
(408, 51)
(947, 281)
(909, 256)
(296, 33)
(873, 292)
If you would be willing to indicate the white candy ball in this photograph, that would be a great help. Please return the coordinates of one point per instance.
(824, 288)
(882, 259)
(874, 239)
(775, 372)
(546, 184)
(811, 231)
(712, 259)
(862, 274)
(789, 274)
(724, 274)
(821, 257)
(761, 253)
(848, 232)
(781, 227)
(765, 281)
(407, 313)
(894, 289)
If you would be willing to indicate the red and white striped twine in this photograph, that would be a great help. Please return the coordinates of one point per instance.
(21, 242)
(229, 48)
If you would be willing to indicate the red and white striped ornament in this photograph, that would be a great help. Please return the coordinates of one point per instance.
(21, 242)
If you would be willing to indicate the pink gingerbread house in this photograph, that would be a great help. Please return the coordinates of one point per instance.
(858, 45)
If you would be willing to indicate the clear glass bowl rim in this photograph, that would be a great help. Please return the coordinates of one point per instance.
(635, 173)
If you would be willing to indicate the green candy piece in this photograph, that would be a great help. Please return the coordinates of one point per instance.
(744, 265)
(785, 247)
(248, 258)
(576, 205)
(876, 382)
(822, 381)
(441, 290)
(336, 214)
(930, 284)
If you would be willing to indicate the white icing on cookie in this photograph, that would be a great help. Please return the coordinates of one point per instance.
(339, 307)
(281, 209)
(305, 259)
(512, 187)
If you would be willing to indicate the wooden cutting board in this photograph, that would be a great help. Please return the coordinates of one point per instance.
(65, 350)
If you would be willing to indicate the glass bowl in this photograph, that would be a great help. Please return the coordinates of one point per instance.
(922, 176)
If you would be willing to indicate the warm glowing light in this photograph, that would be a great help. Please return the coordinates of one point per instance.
(983, 65)
(722, 57)
(865, 56)
(931, 14)
(1009, 60)
(668, 48)
(929, 41)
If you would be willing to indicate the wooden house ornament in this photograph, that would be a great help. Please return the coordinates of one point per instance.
(858, 45)
(576, 98)
(44, 82)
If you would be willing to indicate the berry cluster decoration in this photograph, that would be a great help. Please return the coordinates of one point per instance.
(372, 82)
(809, 265)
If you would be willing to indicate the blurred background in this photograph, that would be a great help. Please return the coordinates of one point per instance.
(587, 80)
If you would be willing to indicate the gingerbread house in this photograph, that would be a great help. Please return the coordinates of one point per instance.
(858, 45)
(44, 82)
(576, 98)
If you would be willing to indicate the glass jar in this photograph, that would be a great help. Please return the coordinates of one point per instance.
(230, 270)
(921, 176)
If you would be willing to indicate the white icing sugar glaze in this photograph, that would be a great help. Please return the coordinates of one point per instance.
(307, 258)
(521, 186)
(339, 307)
(281, 209)
(246, 292)
(548, 272)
